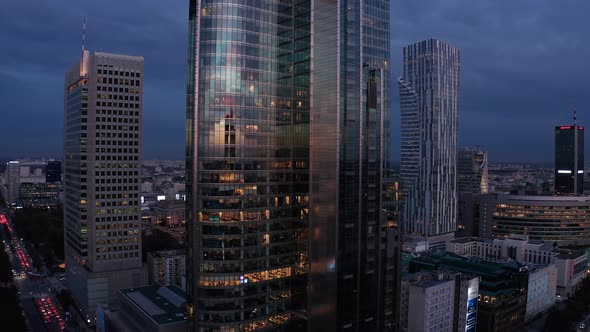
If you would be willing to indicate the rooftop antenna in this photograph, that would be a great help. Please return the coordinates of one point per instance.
(575, 117)
(83, 36)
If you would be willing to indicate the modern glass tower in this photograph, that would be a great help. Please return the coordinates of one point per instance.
(429, 108)
(569, 160)
(287, 131)
(472, 171)
(102, 161)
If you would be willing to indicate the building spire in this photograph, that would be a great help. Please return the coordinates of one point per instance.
(575, 117)
(83, 36)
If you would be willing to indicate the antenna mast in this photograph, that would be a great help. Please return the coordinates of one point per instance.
(575, 117)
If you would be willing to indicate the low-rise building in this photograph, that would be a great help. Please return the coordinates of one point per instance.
(502, 289)
(571, 266)
(153, 308)
(39, 194)
(169, 212)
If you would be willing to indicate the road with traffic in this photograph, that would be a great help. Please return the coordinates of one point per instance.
(37, 291)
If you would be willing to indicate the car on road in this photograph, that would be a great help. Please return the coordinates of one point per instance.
(582, 326)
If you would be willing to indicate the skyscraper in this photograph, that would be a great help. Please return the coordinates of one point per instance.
(102, 147)
(53, 171)
(429, 108)
(287, 118)
(472, 171)
(12, 181)
(569, 160)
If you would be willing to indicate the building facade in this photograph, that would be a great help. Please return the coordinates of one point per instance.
(472, 171)
(39, 195)
(53, 171)
(287, 118)
(167, 267)
(102, 147)
(560, 220)
(569, 160)
(541, 289)
(429, 89)
(502, 290)
(12, 181)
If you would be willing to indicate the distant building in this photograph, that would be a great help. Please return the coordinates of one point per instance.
(167, 267)
(429, 103)
(502, 288)
(169, 212)
(569, 160)
(33, 172)
(53, 171)
(468, 214)
(148, 309)
(560, 220)
(12, 181)
(472, 171)
(570, 265)
(102, 163)
(39, 195)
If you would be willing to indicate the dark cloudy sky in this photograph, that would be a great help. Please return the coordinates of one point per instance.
(524, 64)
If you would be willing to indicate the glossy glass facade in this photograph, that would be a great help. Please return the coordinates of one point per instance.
(287, 117)
(472, 171)
(429, 89)
(569, 160)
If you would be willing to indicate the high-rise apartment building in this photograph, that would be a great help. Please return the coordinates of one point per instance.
(102, 146)
(569, 160)
(12, 181)
(287, 118)
(167, 267)
(472, 171)
(429, 91)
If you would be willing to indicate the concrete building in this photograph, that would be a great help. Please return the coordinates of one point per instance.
(571, 266)
(167, 267)
(541, 289)
(502, 288)
(12, 181)
(103, 135)
(571, 270)
(33, 172)
(148, 309)
(288, 110)
(169, 212)
(560, 220)
(438, 301)
(39, 195)
(429, 104)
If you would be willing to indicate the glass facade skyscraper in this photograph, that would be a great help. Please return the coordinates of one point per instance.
(569, 160)
(429, 109)
(287, 133)
(472, 171)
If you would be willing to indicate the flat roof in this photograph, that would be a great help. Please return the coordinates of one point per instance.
(163, 304)
(168, 253)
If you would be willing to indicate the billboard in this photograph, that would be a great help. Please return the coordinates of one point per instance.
(471, 314)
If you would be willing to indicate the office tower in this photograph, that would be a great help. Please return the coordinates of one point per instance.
(102, 147)
(12, 181)
(472, 171)
(287, 118)
(429, 108)
(53, 171)
(569, 160)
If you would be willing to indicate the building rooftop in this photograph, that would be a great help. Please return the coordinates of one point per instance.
(570, 254)
(163, 304)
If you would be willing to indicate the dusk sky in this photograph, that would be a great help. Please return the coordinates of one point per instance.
(523, 66)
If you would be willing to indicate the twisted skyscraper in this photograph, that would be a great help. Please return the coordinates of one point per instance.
(429, 107)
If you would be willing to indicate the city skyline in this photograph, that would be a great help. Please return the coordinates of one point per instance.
(502, 53)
